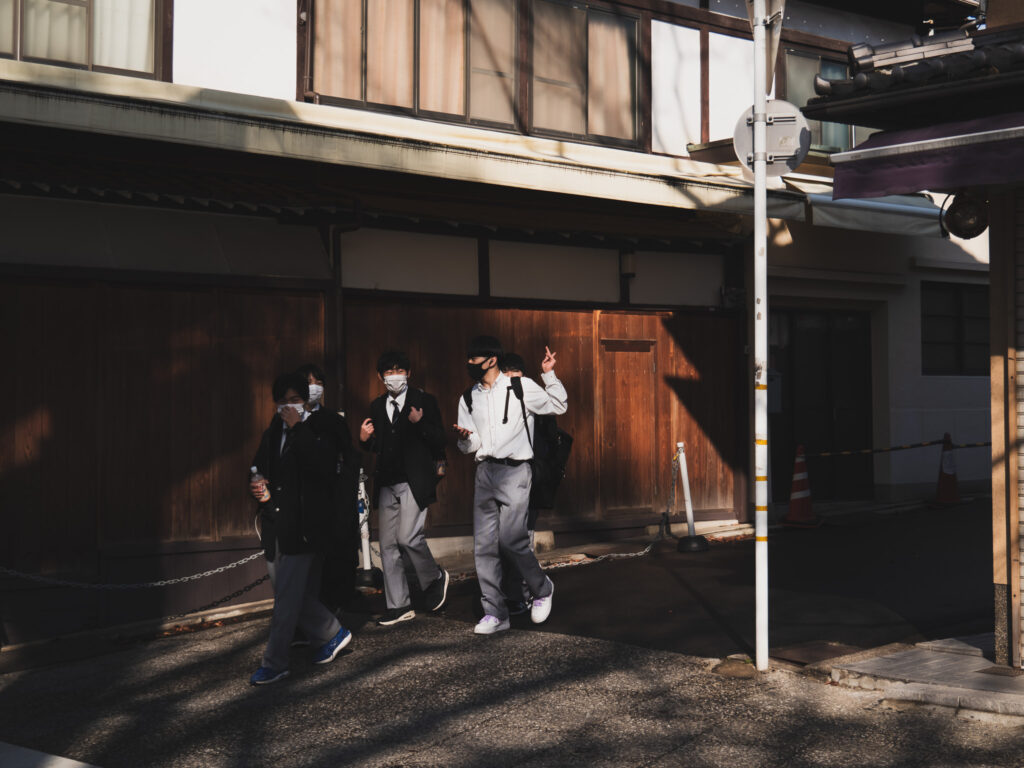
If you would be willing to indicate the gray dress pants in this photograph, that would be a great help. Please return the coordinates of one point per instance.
(296, 581)
(400, 522)
(501, 499)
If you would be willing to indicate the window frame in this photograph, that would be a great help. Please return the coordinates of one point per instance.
(782, 86)
(163, 35)
(522, 108)
(646, 11)
(588, 137)
(414, 111)
(959, 342)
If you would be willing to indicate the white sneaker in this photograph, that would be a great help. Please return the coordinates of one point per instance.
(542, 606)
(488, 625)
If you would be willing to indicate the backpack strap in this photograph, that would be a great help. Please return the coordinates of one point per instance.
(517, 388)
(467, 397)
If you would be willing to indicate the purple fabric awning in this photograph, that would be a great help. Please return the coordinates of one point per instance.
(940, 157)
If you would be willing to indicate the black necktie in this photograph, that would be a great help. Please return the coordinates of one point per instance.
(394, 415)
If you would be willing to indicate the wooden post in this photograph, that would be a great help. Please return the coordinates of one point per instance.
(1007, 424)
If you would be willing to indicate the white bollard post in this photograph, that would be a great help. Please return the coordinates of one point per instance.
(368, 576)
(693, 542)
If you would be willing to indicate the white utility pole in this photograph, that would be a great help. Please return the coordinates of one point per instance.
(759, 23)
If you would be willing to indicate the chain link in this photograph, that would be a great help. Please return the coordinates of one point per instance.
(140, 585)
(220, 601)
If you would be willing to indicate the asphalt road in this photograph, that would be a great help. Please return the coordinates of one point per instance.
(615, 678)
(861, 580)
(430, 693)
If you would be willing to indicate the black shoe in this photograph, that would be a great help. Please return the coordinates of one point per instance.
(517, 607)
(395, 615)
(437, 592)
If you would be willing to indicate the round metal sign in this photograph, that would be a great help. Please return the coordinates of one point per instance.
(788, 138)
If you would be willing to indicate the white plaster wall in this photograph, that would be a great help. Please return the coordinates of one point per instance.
(730, 78)
(242, 46)
(540, 271)
(103, 236)
(677, 279)
(842, 25)
(675, 87)
(882, 274)
(385, 260)
(924, 407)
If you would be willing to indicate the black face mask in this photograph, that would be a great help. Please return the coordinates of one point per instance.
(476, 371)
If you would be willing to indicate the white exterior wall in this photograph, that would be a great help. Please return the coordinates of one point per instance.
(104, 236)
(675, 68)
(241, 46)
(924, 407)
(384, 260)
(675, 88)
(820, 267)
(731, 78)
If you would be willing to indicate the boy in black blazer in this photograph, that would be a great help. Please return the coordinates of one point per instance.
(406, 433)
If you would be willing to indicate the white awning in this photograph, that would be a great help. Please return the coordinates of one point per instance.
(913, 215)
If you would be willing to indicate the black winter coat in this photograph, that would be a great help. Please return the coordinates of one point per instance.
(298, 516)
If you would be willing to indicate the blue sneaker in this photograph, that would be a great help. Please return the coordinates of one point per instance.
(266, 676)
(329, 650)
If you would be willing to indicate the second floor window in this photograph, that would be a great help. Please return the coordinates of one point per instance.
(463, 60)
(801, 69)
(106, 35)
(584, 71)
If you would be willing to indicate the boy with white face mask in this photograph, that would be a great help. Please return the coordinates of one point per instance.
(341, 550)
(406, 432)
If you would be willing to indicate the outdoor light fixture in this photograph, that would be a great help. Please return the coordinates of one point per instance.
(966, 217)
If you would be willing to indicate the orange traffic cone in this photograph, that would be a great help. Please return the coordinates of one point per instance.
(800, 513)
(946, 492)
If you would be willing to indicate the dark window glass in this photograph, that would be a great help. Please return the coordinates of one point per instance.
(954, 329)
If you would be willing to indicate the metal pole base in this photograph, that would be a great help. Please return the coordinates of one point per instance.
(692, 544)
(370, 578)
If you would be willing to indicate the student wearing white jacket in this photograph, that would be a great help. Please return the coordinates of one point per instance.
(491, 425)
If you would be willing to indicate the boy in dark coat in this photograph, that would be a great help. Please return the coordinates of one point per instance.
(342, 546)
(295, 513)
(406, 433)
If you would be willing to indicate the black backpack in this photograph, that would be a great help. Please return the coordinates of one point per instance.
(551, 447)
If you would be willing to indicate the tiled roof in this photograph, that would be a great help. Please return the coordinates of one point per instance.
(953, 57)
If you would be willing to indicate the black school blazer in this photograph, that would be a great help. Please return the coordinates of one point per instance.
(421, 444)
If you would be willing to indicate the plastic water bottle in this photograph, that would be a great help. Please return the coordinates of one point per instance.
(258, 478)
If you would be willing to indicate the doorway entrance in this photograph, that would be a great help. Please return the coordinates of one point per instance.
(820, 397)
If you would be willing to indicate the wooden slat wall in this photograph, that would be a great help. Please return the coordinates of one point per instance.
(677, 380)
(132, 412)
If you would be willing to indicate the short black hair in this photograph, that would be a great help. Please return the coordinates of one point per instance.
(393, 359)
(484, 346)
(512, 362)
(287, 381)
(311, 368)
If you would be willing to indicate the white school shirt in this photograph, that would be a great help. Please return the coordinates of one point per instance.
(508, 441)
(400, 399)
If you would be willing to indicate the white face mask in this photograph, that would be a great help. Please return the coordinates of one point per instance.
(300, 408)
(396, 383)
(316, 393)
